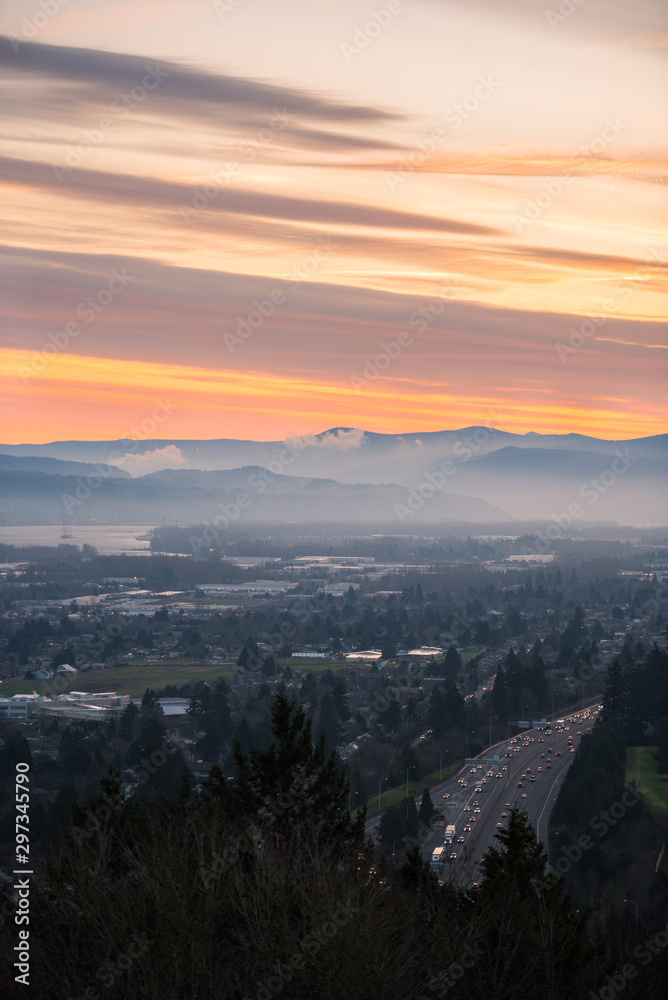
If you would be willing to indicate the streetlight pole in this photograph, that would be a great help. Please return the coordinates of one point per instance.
(412, 766)
(523, 707)
(440, 767)
(393, 843)
(379, 783)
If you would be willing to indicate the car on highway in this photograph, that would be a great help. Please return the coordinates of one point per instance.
(468, 829)
(524, 795)
(453, 857)
(499, 775)
(460, 840)
(476, 803)
(542, 755)
(504, 815)
(447, 795)
(467, 809)
(558, 753)
(548, 766)
(499, 826)
(475, 885)
(572, 750)
(520, 784)
(549, 749)
(476, 810)
(532, 778)
(538, 769)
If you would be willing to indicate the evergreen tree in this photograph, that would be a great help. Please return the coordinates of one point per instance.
(129, 723)
(327, 729)
(426, 808)
(499, 697)
(615, 694)
(537, 943)
(294, 790)
(452, 664)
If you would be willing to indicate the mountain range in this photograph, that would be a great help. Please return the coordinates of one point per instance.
(343, 474)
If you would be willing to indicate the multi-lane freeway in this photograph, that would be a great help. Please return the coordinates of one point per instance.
(528, 775)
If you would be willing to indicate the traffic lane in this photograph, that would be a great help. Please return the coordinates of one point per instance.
(528, 756)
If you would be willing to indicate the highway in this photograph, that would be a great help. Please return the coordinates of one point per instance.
(547, 756)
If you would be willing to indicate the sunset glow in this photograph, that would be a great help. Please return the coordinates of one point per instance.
(282, 228)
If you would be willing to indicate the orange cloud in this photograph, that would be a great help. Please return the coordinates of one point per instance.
(103, 398)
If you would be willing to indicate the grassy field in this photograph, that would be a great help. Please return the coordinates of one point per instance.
(641, 768)
(132, 679)
(393, 796)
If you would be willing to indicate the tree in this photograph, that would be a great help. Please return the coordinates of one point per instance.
(150, 705)
(453, 664)
(536, 940)
(392, 826)
(499, 697)
(129, 723)
(391, 717)
(293, 790)
(426, 808)
(615, 694)
(328, 724)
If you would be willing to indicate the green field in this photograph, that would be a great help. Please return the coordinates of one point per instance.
(641, 768)
(393, 796)
(132, 679)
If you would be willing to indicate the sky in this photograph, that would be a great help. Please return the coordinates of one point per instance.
(274, 217)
